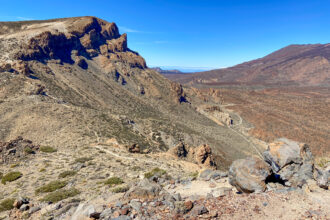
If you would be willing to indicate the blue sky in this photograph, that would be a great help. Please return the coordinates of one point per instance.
(195, 34)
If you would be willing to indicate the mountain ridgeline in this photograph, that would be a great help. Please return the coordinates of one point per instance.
(294, 65)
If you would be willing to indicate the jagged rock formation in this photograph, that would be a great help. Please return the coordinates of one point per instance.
(286, 164)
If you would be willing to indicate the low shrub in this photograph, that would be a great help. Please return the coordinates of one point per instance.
(10, 177)
(83, 159)
(51, 187)
(155, 172)
(113, 181)
(120, 189)
(47, 149)
(67, 174)
(28, 150)
(60, 195)
(7, 204)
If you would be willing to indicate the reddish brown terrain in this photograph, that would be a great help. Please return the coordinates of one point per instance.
(284, 94)
(302, 65)
(301, 114)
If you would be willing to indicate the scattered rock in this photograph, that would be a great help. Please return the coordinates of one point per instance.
(199, 210)
(222, 191)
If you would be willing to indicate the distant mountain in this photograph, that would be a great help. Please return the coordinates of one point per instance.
(161, 71)
(301, 65)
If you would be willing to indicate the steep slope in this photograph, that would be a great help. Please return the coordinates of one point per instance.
(72, 82)
(298, 65)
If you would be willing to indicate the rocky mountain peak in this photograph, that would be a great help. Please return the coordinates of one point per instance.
(62, 39)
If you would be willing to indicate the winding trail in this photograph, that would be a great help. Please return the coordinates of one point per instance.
(231, 127)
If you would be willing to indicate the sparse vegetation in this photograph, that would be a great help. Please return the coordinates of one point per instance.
(52, 186)
(28, 150)
(194, 175)
(83, 159)
(14, 165)
(113, 181)
(60, 195)
(120, 189)
(7, 204)
(10, 177)
(67, 174)
(47, 149)
(322, 162)
(42, 170)
(156, 171)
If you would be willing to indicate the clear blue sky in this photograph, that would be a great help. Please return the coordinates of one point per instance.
(195, 33)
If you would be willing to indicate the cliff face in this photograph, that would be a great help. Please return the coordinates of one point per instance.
(63, 39)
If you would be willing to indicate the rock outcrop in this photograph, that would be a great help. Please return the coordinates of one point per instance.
(249, 175)
(292, 161)
(84, 36)
(286, 163)
(201, 155)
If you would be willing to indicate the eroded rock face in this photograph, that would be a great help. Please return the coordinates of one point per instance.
(249, 175)
(292, 161)
(88, 36)
(201, 155)
(179, 94)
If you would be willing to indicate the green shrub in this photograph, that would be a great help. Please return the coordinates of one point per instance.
(42, 170)
(60, 195)
(14, 165)
(67, 173)
(113, 181)
(47, 149)
(120, 189)
(10, 177)
(83, 159)
(156, 171)
(28, 150)
(52, 186)
(6, 204)
(194, 175)
(1, 175)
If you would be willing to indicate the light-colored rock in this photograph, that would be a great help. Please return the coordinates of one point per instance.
(249, 175)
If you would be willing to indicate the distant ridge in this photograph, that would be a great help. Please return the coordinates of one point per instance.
(299, 65)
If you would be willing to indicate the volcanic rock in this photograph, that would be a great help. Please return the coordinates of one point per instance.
(249, 175)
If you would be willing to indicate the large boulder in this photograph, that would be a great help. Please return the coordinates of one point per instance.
(145, 189)
(249, 175)
(292, 161)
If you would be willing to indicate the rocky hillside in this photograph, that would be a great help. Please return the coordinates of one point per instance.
(87, 131)
(71, 82)
(298, 65)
